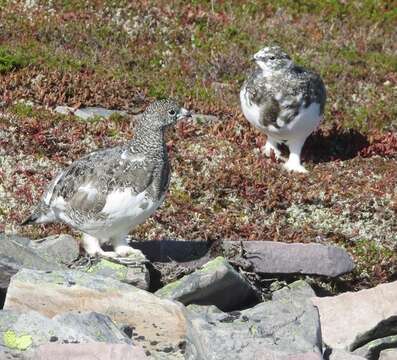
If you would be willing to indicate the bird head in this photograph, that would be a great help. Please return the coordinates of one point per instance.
(164, 113)
(272, 58)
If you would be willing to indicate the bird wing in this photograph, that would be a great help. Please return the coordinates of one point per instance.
(83, 187)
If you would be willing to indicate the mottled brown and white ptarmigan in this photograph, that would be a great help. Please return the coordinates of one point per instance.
(109, 192)
(284, 100)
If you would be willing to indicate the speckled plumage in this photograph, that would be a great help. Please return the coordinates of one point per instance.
(107, 193)
(284, 100)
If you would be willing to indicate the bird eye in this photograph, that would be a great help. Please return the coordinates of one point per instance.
(172, 112)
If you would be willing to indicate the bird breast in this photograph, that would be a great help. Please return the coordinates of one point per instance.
(251, 111)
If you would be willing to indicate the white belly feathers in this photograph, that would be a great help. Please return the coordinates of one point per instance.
(302, 125)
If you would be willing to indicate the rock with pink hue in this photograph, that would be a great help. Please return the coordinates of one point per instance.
(90, 351)
(156, 324)
(271, 257)
(338, 354)
(353, 319)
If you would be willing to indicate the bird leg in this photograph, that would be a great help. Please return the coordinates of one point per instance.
(294, 160)
(271, 145)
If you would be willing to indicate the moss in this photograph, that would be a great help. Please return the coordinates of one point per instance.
(11, 60)
(253, 330)
(13, 341)
(104, 264)
(22, 109)
(213, 264)
(169, 288)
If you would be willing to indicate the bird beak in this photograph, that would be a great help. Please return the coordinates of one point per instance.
(184, 113)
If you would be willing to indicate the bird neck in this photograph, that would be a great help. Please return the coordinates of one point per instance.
(149, 140)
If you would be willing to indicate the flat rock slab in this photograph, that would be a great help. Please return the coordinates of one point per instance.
(270, 257)
(216, 283)
(156, 324)
(351, 320)
(97, 351)
(88, 112)
(62, 249)
(16, 254)
(23, 332)
(287, 328)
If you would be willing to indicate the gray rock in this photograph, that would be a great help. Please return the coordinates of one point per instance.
(15, 254)
(90, 351)
(216, 283)
(390, 354)
(159, 325)
(270, 257)
(351, 320)
(62, 248)
(88, 112)
(372, 349)
(204, 119)
(338, 354)
(59, 251)
(285, 328)
(25, 331)
(207, 312)
(136, 274)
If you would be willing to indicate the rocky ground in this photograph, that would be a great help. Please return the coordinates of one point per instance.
(245, 300)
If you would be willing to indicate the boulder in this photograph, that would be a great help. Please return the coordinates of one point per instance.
(216, 283)
(159, 325)
(286, 328)
(271, 257)
(25, 331)
(62, 249)
(353, 319)
(372, 349)
(15, 254)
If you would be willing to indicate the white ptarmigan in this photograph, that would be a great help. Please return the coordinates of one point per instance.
(109, 192)
(284, 100)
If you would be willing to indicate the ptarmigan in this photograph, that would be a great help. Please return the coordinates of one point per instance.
(283, 100)
(109, 192)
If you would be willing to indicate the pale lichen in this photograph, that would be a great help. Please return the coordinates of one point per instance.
(17, 342)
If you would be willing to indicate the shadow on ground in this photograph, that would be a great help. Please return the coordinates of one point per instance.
(172, 250)
(334, 144)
